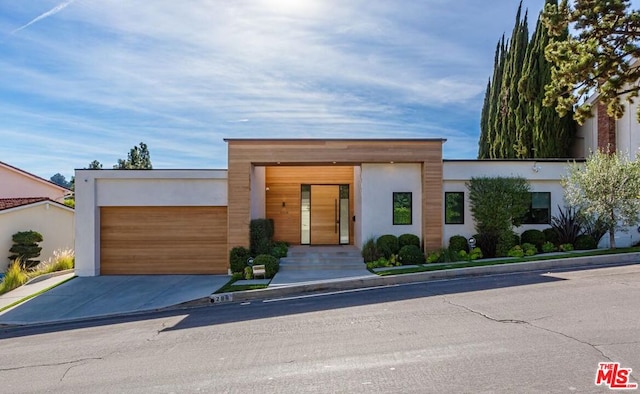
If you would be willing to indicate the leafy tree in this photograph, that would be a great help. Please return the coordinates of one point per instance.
(95, 165)
(601, 56)
(138, 159)
(25, 247)
(606, 188)
(60, 180)
(497, 205)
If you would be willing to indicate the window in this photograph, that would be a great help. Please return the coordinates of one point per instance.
(454, 208)
(539, 209)
(402, 208)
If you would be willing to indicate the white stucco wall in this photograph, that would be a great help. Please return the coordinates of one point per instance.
(54, 222)
(357, 206)
(15, 184)
(96, 188)
(545, 179)
(258, 192)
(378, 183)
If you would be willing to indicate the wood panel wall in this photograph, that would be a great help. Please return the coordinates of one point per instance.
(163, 240)
(267, 152)
(284, 186)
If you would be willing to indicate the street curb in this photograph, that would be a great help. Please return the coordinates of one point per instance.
(47, 276)
(377, 281)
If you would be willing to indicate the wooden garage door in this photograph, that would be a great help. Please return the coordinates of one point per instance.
(163, 240)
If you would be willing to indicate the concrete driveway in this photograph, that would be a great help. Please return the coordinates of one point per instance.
(87, 297)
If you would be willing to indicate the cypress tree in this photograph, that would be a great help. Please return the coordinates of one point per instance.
(514, 123)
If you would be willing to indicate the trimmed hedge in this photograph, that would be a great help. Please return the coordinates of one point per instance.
(411, 255)
(260, 236)
(551, 235)
(535, 237)
(370, 251)
(408, 239)
(238, 257)
(585, 242)
(458, 243)
(388, 245)
(271, 264)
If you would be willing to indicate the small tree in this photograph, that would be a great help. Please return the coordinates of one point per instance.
(606, 188)
(497, 205)
(25, 247)
(138, 159)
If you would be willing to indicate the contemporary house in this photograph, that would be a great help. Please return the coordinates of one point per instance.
(28, 202)
(316, 191)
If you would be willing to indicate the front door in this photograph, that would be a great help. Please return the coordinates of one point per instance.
(325, 219)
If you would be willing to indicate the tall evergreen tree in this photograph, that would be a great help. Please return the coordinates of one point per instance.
(515, 124)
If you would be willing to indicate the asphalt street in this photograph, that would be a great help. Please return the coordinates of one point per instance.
(531, 332)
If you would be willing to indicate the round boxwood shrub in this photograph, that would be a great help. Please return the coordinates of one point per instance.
(535, 237)
(388, 245)
(458, 243)
(411, 255)
(408, 239)
(271, 264)
(585, 242)
(238, 258)
(551, 235)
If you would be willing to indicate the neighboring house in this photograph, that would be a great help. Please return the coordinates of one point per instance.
(15, 182)
(602, 131)
(317, 192)
(28, 202)
(53, 220)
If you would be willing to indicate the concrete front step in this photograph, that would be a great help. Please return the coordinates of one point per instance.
(320, 266)
(322, 258)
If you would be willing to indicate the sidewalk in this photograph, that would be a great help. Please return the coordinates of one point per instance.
(31, 288)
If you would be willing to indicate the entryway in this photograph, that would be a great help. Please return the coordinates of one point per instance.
(324, 214)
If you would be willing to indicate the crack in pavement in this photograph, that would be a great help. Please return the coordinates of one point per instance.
(594, 347)
(51, 364)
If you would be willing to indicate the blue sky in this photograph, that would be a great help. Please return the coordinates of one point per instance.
(89, 79)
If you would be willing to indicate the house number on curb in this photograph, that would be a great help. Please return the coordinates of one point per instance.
(218, 298)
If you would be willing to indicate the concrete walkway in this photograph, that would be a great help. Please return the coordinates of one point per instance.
(101, 296)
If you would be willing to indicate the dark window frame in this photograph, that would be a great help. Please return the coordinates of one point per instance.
(446, 208)
(397, 221)
(536, 215)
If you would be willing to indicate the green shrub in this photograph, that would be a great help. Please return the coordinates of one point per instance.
(279, 249)
(14, 277)
(411, 255)
(236, 276)
(585, 242)
(568, 225)
(271, 264)
(434, 257)
(458, 243)
(379, 263)
(529, 249)
(475, 254)
(551, 235)
(388, 245)
(25, 248)
(248, 273)
(408, 239)
(506, 242)
(535, 237)
(261, 235)
(548, 247)
(516, 251)
(370, 251)
(238, 258)
(566, 247)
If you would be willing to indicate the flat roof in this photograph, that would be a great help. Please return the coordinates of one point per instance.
(334, 139)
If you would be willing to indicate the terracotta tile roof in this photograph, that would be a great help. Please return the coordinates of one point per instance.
(7, 203)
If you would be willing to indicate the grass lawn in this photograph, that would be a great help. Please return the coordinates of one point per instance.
(481, 263)
(229, 287)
